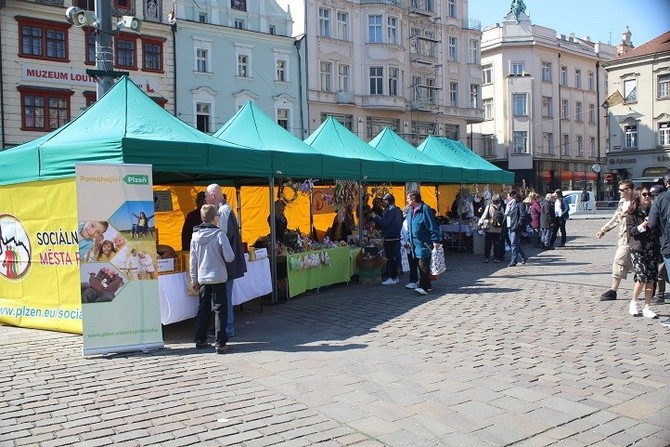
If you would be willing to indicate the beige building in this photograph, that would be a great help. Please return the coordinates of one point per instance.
(638, 111)
(412, 65)
(45, 60)
(541, 95)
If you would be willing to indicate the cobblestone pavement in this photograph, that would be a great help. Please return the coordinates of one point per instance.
(493, 356)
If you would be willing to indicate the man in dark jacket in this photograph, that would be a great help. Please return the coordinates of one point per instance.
(192, 219)
(515, 213)
(659, 217)
(547, 221)
(390, 223)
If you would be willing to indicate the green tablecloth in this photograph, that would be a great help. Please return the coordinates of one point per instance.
(339, 270)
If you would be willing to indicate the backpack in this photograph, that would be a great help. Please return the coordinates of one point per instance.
(498, 217)
(527, 219)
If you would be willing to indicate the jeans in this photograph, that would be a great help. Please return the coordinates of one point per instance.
(413, 267)
(230, 322)
(546, 236)
(515, 245)
(212, 293)
(560, 225)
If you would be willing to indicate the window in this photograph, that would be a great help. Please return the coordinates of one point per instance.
(430, 90)
(631, 136)
(87, 5)
(592, 144)
(202, 17)
(272, 29)
(580, 146)
(453, 48)
(376, 80)
(452, 8)
(392, 30)
(453, 94)
(578, 112)
(343, 73)
(564, 75)
(375, 29)
(343, 25)
(326, 69)
(592, 82)
(240, 5)
(203, 118)
(546, 71)
(548, 143)
(517, 68)
(565, 147)
(243, 68)
(488, 108)
(44, 109)
(473, 51)
(152, 54)
(664, 134)
(565, 109)
(324, 22)
(520, 142)
(90, 47)
(592, 113)
(630, 90)
(40, 39)
(417, 82)
(282, 118)
(487, 74)
(375, 125)
(578, 78)
(474, 96)
(519, 104)
(547, 106)
(345, 120)
(125, 51)
(121, 4)
(280, 75)
(488, 144)
(239, 24)
(394, 81)
(201, 60)
(663, 86)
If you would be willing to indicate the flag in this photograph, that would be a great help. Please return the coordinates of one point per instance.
(613, 99)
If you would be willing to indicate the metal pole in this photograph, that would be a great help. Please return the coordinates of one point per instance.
(273, 244)
(104, 47)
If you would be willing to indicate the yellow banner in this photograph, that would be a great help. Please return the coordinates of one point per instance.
(39, 257)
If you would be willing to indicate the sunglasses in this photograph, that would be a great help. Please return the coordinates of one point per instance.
(625, 189)
(645, 194)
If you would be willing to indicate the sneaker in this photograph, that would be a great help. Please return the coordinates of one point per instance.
(411, 285)
(523, 261)
(389, 282)
(657, 300)
(609, 295)
(485, 261)
(497, 261)
(648, 313)
(666, 323)
(633, 309)
(222, 349)
(202, 345)
(420, 291)
(511, 265)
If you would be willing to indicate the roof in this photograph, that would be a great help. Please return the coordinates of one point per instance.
(660, 44)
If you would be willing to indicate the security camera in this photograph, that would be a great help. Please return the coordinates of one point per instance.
(78, 17)
(129, 22)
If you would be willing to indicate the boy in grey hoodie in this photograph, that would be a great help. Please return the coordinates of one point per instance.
(210, 250)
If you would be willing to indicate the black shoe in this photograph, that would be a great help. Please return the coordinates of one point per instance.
(211, 333)
(511, 265)
(222, 349)
(202, 345)
(523, 261)
(608, 296)
(550, 248)
(657, 300)
(485, 261)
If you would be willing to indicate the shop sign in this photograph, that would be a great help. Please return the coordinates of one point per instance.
(655, 171)
(621, 161)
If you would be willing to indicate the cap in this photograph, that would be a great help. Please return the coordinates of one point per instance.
(656, 190)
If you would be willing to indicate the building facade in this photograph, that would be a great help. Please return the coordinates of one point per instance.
(411, 65)
(44, 79)
(541, 96)
(638, 111)
(232, 51)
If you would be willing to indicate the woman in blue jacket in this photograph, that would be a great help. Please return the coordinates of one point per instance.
(424, 235)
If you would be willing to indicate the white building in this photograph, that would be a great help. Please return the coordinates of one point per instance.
(45, 59)
(231, 51)
(412, 65)
(541, 96)
(639, 111)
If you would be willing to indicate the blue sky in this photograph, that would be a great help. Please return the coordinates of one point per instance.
(600, 19)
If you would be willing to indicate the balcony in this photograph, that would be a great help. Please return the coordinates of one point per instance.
(343, 97)
(382, 2)
(422, 7)
(383, 102)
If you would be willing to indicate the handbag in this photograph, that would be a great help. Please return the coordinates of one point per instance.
(404, 262)
(438, 264)
(485, 224)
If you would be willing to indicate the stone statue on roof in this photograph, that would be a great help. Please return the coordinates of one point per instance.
(516, 8)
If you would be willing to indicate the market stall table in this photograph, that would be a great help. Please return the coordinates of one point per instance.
(177, 305)
(299, 281)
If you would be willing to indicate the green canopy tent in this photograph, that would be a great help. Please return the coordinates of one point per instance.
(475, 169)
(127, 126)
(332, 138)
(420, 166)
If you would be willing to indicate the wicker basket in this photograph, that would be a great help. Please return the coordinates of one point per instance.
(369, 262)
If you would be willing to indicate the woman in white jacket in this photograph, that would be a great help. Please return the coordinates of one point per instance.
(492, 230)
(210, 250)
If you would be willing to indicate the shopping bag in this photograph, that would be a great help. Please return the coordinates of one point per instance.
(404, 262)
(438, 264)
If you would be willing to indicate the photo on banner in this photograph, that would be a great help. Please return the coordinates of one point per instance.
(117, 252)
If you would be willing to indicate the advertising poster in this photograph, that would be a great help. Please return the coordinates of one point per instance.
(39, 265)
(117, 252)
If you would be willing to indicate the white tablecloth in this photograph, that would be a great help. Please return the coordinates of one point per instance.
(178, 305)
(456, 228)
